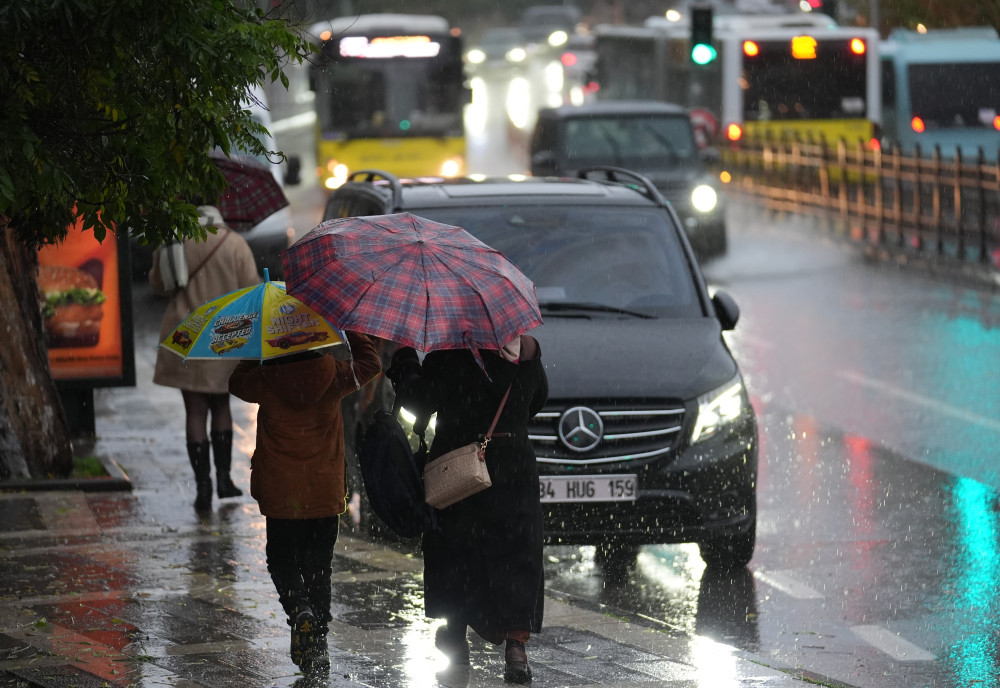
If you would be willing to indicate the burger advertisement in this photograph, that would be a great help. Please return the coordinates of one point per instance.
(81, 300)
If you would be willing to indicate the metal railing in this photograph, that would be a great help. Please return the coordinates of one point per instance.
(937, 208)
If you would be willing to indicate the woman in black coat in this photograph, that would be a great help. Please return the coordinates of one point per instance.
(483, 566)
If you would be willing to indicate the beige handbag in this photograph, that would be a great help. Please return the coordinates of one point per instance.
(461, 472)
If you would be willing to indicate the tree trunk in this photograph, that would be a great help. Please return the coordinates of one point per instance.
(34, 435)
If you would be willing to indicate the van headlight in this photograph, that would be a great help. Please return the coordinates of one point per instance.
(407, 419)
(721, 407)
(704, 199)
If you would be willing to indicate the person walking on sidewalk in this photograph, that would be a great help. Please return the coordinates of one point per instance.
(220, 264)
(483, 565)
(298, 477)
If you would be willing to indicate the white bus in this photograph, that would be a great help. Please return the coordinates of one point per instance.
(774, 75)
(942, 89)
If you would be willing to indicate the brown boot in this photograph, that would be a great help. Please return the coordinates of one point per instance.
(516, 669)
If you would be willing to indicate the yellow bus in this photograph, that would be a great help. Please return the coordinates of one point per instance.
(796, 74)
(390, 92)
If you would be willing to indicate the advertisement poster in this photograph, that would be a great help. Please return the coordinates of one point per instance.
(84, 304)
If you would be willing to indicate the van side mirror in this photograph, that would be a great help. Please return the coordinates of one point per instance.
(710, 155)
(293, 173)
(543, 163)
(726, 310)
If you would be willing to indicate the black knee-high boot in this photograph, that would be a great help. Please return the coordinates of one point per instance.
(222, 450)
(201, 463)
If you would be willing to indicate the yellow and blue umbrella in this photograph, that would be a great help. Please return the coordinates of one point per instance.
(256, 323)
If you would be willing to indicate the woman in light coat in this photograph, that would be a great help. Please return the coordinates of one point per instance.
(220, 264)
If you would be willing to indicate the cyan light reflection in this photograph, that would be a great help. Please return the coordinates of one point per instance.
(975, 581)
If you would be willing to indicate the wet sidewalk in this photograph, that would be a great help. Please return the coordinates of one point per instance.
(132, 588)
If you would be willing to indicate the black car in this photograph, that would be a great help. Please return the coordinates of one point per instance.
(653, 138)
(648, 435)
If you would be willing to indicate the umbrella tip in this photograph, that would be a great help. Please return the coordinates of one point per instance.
(267, 276)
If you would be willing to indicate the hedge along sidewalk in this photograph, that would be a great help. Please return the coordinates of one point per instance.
(113, 479)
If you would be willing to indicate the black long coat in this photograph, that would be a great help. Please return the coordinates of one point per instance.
(484, 565)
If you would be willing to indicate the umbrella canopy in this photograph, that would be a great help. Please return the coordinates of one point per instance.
(413, 281)
(253, 194)
(256, 323)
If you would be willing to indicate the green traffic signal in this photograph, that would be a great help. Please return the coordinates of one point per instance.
(703, 53)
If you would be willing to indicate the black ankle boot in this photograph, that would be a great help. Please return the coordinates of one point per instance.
(200, 462)
(222, 450)
(452, 640)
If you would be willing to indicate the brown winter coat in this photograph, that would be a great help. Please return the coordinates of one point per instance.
(297, 469)
(231, 267)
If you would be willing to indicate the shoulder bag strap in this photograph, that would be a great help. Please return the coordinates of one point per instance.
(489, 433)
(208, 257)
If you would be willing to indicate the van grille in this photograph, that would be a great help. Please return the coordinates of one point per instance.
(630, 432)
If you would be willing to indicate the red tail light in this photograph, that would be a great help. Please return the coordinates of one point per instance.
(917, 124)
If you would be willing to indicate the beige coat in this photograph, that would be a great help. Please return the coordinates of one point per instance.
(231, 267)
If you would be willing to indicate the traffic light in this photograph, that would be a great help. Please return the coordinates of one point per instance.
(702, 46)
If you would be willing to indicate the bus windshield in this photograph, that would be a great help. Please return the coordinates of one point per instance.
(829, 85)
(401, 92)
(965, 94)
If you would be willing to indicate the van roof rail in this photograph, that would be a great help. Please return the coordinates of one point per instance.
(372, 175)
(624, 177)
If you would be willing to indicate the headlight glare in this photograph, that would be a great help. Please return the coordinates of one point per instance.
(704, 199)
(718, 408)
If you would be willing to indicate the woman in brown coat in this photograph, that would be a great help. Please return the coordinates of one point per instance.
(298, 477)
(220, 264)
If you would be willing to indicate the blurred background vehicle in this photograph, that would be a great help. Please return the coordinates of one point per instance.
(390, 90)
(540, 22)
(502, 46)
(653, 138)
(941, 88)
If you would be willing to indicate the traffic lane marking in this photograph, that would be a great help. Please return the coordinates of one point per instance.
(892, 644)
(915, 398)
(784, 582)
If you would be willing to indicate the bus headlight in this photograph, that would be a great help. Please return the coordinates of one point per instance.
(338, 175)
(717, 409)
(704, 199)
(451, 167)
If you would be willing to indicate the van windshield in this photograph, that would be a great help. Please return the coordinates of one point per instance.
(629, 140)
(621, 258)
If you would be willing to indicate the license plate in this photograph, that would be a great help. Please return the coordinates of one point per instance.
(588, 488)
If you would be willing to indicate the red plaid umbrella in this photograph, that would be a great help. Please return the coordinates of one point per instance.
(253, 193)
(413, 281)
